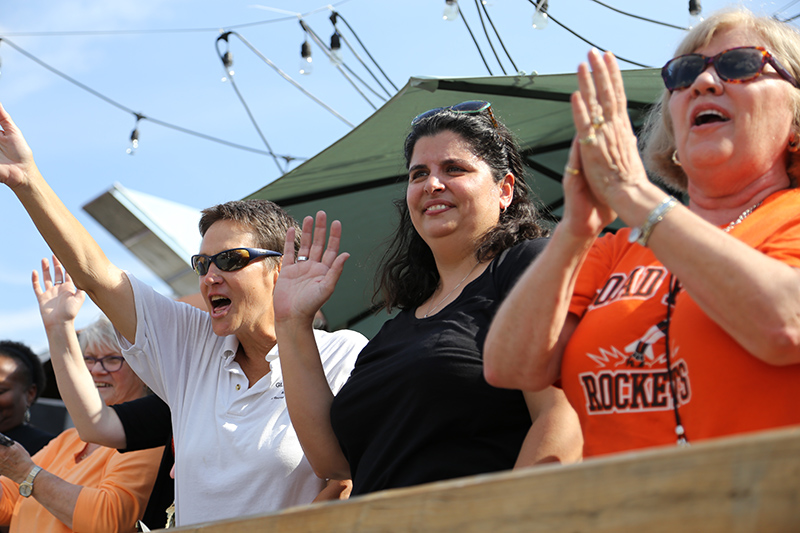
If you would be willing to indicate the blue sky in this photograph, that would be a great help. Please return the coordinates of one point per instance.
(80, 141)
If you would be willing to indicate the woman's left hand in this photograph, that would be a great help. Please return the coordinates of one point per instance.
(59, 299)
(609, 154)
(307, 283)
(15, 462)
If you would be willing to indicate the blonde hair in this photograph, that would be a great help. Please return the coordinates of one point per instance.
(657, 139)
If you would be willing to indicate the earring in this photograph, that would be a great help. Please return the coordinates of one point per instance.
(27, 417)
(675, 159)
(794, 143)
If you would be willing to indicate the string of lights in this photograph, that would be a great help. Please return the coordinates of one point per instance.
(227, 63)
(335, 15)
(590, 43)
(138, 116)
(342, 66)
(638, 17)
(288, 78)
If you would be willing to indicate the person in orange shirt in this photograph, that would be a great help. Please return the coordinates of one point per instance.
(686, 325)
(71, 485)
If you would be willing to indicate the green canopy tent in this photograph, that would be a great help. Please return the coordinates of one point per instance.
(356, 178)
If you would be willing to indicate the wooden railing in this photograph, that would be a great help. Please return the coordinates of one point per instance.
(740, 484)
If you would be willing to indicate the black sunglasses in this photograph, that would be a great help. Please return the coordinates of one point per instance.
(469, 107)
(112, 363)
(735, 65)
(229, 260)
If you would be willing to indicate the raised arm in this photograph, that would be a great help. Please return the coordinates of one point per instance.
(302, 288)
(59, 302)
(754, 298)
(526, 340)
(105, 284)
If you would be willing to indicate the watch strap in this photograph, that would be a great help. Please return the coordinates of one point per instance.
(26, 487)
(641, 234)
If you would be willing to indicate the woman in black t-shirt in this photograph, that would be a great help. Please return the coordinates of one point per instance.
(417, 407)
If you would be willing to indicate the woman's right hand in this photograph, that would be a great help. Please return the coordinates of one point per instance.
(16, 158)
(59, 299)
(307, 283)
(585, 215)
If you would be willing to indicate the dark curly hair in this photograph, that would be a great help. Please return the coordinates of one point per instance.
(407, 273)
(29, 364)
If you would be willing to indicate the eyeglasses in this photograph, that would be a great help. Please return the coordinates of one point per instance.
(230, 260)
(469, 107)
(735, 65)
(112, 363)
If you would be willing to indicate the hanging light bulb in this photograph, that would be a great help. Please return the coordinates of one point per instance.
(336, 50)
(305, 58)
(227, 62)
(540, 18)
(695, 8)
(450, 10)
(134, 137)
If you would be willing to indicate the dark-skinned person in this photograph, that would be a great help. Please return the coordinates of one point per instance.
(72, 485)
(236, 452)
(686, 325)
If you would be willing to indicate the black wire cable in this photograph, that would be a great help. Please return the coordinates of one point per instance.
(590, 42)
(342, 67)
(486, 11)
(475, 41)
(288, 78)
(222, 57)
(132, 112)
(339, 15)
(488, 39)
(638, 17)
(366, 67)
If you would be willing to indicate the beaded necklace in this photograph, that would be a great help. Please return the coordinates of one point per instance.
(674, 289)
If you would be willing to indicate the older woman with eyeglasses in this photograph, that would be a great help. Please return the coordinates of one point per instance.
(72, 485)
(416, 408)
(687, 325)
(236, 451)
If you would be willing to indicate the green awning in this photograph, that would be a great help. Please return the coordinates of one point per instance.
(357, 177)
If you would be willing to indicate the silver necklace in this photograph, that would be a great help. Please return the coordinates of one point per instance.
(446, 296)
(743, 216)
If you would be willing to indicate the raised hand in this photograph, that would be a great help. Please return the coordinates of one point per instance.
(16, 159)
(307, 281)
(608, 148)
(59, 299)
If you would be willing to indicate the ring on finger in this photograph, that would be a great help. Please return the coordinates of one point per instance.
(573, 171)
(598, 121)
(589, 139)
(302, 258)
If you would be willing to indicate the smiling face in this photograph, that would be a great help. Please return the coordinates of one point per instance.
(452, 193)
(114, 387)
(15, 393)
(729, 135)
(239, 302)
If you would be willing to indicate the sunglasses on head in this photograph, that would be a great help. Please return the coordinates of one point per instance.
(469, 107)
(735, 65)
(229, 260)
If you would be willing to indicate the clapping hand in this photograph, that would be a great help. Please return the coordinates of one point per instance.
(59, 299)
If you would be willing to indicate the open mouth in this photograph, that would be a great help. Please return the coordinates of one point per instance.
(709, 116)
(219, 304)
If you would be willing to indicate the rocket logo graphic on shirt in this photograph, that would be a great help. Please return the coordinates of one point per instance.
(633, 378)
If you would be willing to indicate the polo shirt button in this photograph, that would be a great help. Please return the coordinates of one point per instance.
(238, 386)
